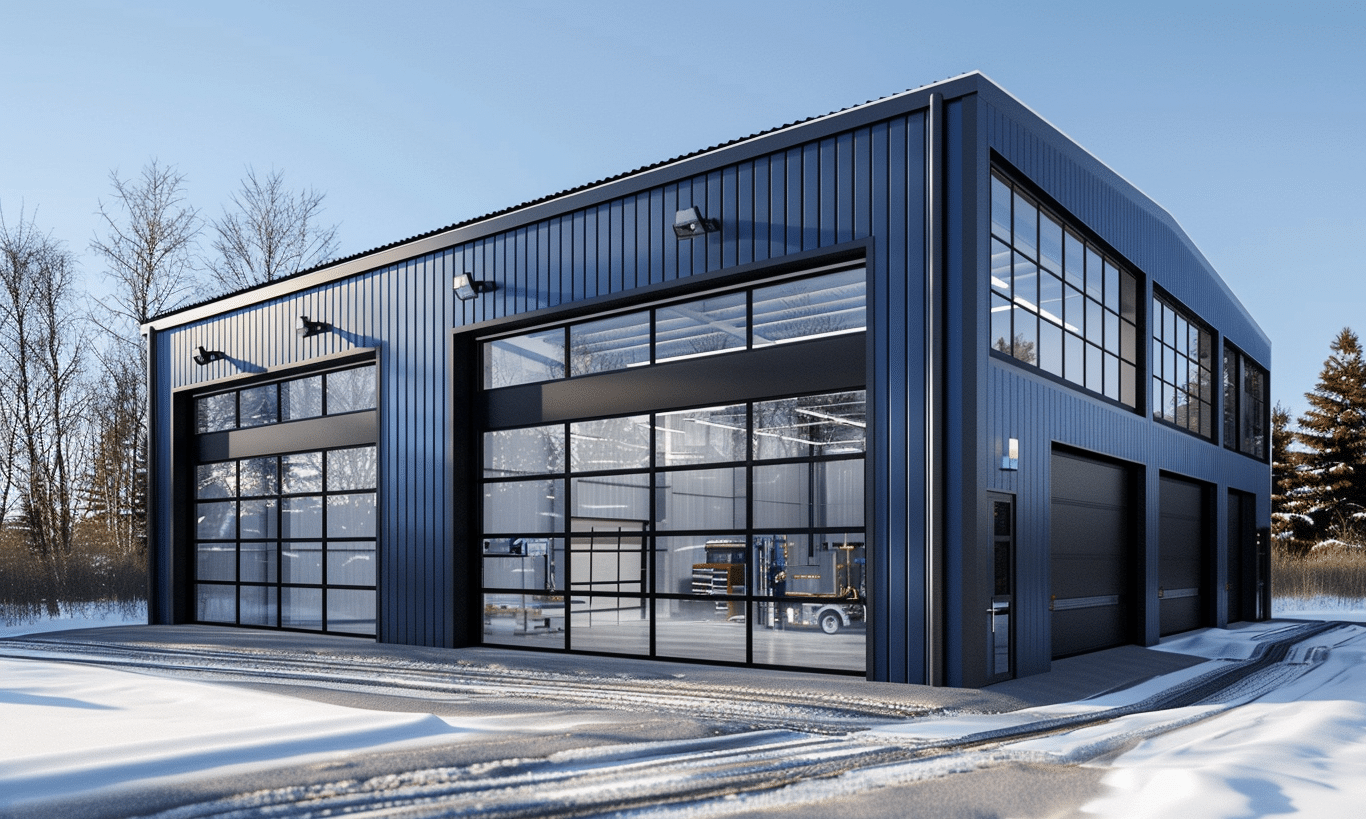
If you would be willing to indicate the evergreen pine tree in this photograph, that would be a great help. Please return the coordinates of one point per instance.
(1333, 439)
(1292, 528)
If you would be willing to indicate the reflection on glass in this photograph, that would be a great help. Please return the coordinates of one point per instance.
(351, 516)
(702, 327)
(1000, 208)
(810, 308)
(259, 405)
(350, 390)
(828, 424)
(258, 559)
(351, 563)
(301, 563)
(701, 565)
(613, 343)
(617, 497)
(258, 519)
(215, 604)
(782, 495)
(837, 489)
(301, 472)
(524, 620)
(301, 517)
(215, 521)
(607, 556)
(214, 413)
(301, 398)
(216, 480)
(524, 359)
(260, 476)
(529, 451)
(610, 443)
(701, 436)
(351, 469)
(699, 630)
(258, 605)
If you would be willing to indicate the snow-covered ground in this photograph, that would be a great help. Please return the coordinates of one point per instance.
(1291, 739)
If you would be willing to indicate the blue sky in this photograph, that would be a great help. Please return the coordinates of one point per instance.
(1243, 119)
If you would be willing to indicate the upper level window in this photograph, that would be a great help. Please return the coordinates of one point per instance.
(330, 393)
(1057, 301)
(777, 313)
(1245, 402)
(1183, 362)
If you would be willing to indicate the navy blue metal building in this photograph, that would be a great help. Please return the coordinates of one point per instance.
(919, 390)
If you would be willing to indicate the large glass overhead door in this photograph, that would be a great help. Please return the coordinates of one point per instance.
(286, 539)
(728, 532)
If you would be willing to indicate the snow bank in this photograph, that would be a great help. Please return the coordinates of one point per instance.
(73, 621)
(70, 729)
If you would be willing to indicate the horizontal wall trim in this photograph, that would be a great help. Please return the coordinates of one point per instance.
(339, 360)
(327, 432)
(823, 365)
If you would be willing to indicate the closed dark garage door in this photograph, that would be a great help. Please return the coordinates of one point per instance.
(1091, 556)
(1181, 556)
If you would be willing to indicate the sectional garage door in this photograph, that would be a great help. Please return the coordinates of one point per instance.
(1091, 555)
(1181, 556)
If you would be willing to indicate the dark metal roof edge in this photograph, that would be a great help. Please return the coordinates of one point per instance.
(701, 161)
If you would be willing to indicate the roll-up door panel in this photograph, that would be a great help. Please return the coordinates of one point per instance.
(1090, 555)
(1180, 556)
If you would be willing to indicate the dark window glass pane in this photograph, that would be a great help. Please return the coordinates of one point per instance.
(301, 472)
(1026, 231)
(350, 390)
(1111, 332)
(1128, 384)
(1095, 322)
(351, 611)
(1111, 286)
(259, 519)
(702, 436)
(1050, 243)
(1050, 347)
(353, 468)
(609, 344)
(1095, 276)
(1074, 261)
(610, 443)
(782, 496)
(351, 515)
(301, 563)
(837, 489)
(1128, 296)
(1157, 399)
(1074, 363)
(1026, 282)
(216, 521)
(351, 564)
(1128, 342)
(216, 480)
(524, 359)
(1112, 377)
(1001, 334)
(259, 405)
(1074, 311)
(260, 476)
(301, 398)
(1050, 297)
(1001, 274)
(702, 327)
(1025, 345)
(1095, 370)
(1000, 208)
(530, 451)
(301, 608)
(809, 308)
(214, 413)
(301, 517)
(524, 506)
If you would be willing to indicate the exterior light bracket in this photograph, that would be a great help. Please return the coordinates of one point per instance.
(305, 327)
(467, 289)
(203, 356)
(689, 222)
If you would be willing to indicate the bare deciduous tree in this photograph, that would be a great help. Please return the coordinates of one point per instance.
(273, 233)
(41, 362)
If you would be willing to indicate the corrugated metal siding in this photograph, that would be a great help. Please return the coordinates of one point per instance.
(866, 183)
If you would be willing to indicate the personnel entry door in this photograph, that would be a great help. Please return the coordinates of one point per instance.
(1001, 555)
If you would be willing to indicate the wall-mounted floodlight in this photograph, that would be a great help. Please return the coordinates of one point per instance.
(1011, 460)
(203, 356)
(305, 327)
(690, 222)
(467, 289)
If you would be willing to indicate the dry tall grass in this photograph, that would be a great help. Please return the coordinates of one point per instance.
(99, 581)
(1333, 573)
